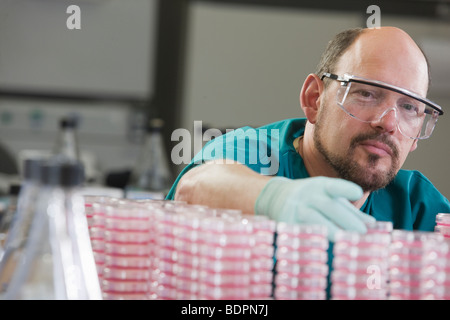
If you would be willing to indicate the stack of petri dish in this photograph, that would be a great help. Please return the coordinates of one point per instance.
(161, 234)
(225, 258)
(360, 263)
(443, 224)
(417, 265)
(167, 250)
(126, 239)
(95, 209)
(262, 257)
(165, 256)
(446, 269)
(301, 262)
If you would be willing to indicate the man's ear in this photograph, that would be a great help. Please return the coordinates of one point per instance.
(414, 145)
(310, 96)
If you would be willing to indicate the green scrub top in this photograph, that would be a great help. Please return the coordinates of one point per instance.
(410, 201)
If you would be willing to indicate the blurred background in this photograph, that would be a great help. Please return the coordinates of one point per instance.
(225, 63)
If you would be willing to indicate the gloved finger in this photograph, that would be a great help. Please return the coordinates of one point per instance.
(337, 188)
(361, 215)
(306, 215)
(343, 215)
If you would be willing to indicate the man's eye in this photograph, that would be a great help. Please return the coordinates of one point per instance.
(364, 94)
(409, 107)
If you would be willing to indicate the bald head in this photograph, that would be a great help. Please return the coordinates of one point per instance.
(389, 50)
(387, 54)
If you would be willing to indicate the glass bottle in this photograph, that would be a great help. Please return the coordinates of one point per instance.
(58, 261)
(66, 145)
(151, 177)
(17, 234)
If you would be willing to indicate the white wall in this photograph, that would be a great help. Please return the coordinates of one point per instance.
(246, 65)
(112, 53)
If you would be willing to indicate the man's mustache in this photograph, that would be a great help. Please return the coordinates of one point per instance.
(376, 137)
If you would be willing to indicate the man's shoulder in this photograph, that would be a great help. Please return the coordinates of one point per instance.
(287, 129)
(293, 123)
(416, 186)
(410, 201)
(412, 177)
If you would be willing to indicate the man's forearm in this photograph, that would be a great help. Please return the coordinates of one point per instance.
(232, 186)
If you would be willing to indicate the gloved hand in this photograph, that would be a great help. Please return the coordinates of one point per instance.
(318, 200)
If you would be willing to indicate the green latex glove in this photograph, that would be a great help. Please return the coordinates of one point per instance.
(318, 200)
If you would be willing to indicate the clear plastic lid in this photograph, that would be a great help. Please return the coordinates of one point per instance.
(165, 241)
(165, 267)
(117, 274)
(187, 285)
(129, 286)
(306, 243)
(165, 293)
(219, 293)
(187, 272)
(123, 249)
(186, 259)
(286, 293)
(285, 279)
(225, 280)
(379, 227)
(443, 229)
(301, 229)
(262, 250)
(125, 209)
(362, 240)
(414, 238)
(298, 270)
(166, 254)
(127, 224)
(359, 266)
(130, 237)
(402, 289)
(225, 225)
(215, 252)
(414, 262)
(261, 276)
(443, 219)
(351, 293)
(261, 223)
(295, 256)
(261, 291)
(227, 213)
(228, 239)
(140, 262)
(264, 263)
(351, 279)
(225, 266)
(124, 296)
(360, 252)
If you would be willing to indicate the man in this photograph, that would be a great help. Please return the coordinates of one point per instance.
(340, 167)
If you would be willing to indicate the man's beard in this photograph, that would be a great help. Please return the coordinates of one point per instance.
(347, 168)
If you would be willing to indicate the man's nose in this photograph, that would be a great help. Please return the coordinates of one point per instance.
(387, 122)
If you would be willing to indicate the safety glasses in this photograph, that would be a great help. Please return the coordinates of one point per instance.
(370, 100)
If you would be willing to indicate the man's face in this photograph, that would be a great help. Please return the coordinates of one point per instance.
(355, 151)
(369, 154)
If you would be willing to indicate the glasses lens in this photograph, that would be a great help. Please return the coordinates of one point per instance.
(370, 103)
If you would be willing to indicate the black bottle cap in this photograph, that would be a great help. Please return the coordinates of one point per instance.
(65, 174)
(14, 189)
(32, 168)
(68, 122)
(72, 174)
